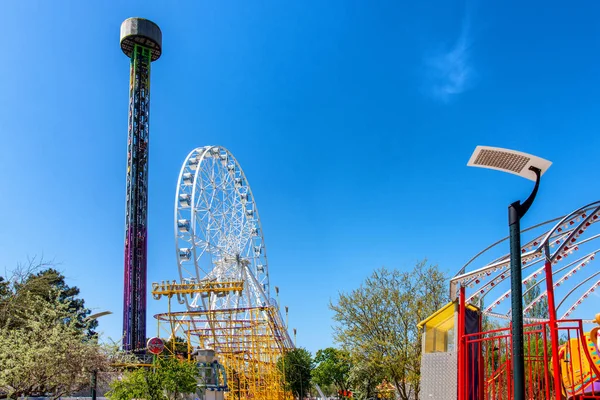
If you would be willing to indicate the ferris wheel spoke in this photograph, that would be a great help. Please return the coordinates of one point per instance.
(218, 237)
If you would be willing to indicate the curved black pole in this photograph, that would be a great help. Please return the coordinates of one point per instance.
(515, 212)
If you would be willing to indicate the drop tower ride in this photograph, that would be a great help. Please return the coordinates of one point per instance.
(141, 41)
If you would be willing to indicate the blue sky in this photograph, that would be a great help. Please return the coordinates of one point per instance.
(353, 121)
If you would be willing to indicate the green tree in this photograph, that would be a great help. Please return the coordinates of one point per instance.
(47, 354)
(296, 366)
(333, 367)
(532, 292)
(135, 384)
(176, 346)
(168, 379)
(378, 321)
(31, 281)
(535, 344)
(364, 378)
(46, 343)
(4, 288)
(55, 285)
(177, 376)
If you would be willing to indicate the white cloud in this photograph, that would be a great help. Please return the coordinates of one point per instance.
(449, 72)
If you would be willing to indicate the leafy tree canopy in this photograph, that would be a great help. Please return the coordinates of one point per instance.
(177, 346)
(32, 282)
(333, 367)
(364, 378)
(377, 322)
(47, 355)
(532, 292)
(47, 346)
(167, 380)
(296, 366)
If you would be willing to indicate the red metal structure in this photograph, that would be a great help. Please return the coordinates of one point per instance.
(570, 373)
(560, 338)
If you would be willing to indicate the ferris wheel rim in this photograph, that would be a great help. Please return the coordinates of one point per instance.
(176, 209)
(199, 155)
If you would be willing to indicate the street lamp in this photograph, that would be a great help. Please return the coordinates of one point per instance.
(532, 168)
(98, 315)
(95, 372)
(298, 373)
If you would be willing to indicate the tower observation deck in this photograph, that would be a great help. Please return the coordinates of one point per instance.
(141, 41)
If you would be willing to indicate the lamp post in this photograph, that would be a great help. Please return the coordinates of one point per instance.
(298, 373)
(532, 168)
(95, 372)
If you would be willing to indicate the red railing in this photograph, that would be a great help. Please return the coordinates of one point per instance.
(487, 366)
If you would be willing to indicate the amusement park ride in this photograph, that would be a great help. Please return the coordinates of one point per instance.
(224, 310)
(224, 276)
(225, 318)
(468, 349)
(141, 41)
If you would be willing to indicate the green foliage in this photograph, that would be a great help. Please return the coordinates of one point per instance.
(46, 355)
(168, 379)
(296, 366)
(377, 322)
(532, 291)
(46, 345)
(134, 385)
(333, 367)
(177, 376)
(48, 285)
(534, 344)
(176, 346)
(364, 378)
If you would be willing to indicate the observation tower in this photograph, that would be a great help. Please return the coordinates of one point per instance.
(141, 41)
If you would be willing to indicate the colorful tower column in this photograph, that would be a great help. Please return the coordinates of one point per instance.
(141, 41)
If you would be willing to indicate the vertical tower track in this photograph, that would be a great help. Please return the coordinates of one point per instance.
(141, 40)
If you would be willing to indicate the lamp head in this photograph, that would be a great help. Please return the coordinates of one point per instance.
(98, 315)
(511, 161)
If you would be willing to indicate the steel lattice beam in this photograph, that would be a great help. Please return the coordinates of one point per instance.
(141, 41)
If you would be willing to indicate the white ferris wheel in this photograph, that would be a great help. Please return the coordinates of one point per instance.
(218, 235)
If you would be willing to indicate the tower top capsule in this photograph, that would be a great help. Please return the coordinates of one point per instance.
(143, 32)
